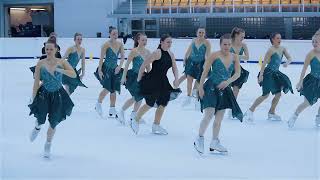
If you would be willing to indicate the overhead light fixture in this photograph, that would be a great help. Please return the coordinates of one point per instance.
(21, 9)
(38, 9)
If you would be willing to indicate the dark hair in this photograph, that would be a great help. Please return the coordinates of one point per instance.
(225, 36)
(111, 28)
(235, 31)
(273, 35)
(163, 38)
(75, 35)
(136, 39)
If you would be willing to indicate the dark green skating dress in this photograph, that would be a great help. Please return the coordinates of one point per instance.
(51, 100)
(155, 86)
(131, 84)
(244, 75)
(220, 99)
(110, 81)
(195, 62)
(311, 83)
(275, 81)
(73, 83)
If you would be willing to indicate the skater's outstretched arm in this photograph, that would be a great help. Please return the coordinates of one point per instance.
(67, 69)
(83, 63)
(148, 67)
(102, 55)
(206, 68)
(132, 54)
(266, 60)
(304, 69)
(244, 57)
(156, 55)
(288, 57)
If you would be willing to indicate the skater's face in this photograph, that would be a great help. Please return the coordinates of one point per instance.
(276, 40)
(50, 49)
(201, 33)
(78, 40)
(114, 34)
(225, 45)
(316, 42)
(166, 44)
(143, 40)
(240, 37)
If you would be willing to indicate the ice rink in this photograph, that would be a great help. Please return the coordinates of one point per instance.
(88, 147)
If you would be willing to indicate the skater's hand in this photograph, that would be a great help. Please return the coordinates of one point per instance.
(260, 78)
(100, 74)
(201, 92)
(299, 85)
(117, 70)
(223, 85)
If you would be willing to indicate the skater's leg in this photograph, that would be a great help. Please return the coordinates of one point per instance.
(275, 102)
(302, 107)
(217, 124)
(113, 98)
(136, 106)
(208, 115)
(189, 85)
(145, 108)
(235, 90)
(128, 103)
(257, 102)
(181, 79)
(158, 115)
(50, 134)
(102, 95)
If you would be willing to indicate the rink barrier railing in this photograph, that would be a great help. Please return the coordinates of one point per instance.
(14, 58)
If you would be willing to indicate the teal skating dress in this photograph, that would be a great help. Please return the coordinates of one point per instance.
(131, 84)
(311, 83)
(275, 81)
(244, 75)
(73, 83)
(195, 62)
(110, 80)
(51, 100)
(220, 99)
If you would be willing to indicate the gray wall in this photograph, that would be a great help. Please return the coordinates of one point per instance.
(87, 17)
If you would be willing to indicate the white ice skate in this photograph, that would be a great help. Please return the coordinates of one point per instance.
(121, 118)
(47, 149)
(134, 125)
(248, 116)
(292, 120)
(199, 144)
(157, 129)
(216, 146)
(133, 115)
(317, 121)
(98, 109)
(34, 134)
(273, 117)
(113, 112)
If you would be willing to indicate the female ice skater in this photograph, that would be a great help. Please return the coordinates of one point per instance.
(50, 99)
(109, 72)
(197, 52)
(241, 49)
(155, 86)
(137, 56)
(216, 94)
(309, 86)
(74, 54)
(271, 79)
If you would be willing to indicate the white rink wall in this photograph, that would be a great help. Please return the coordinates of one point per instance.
(31, 47)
